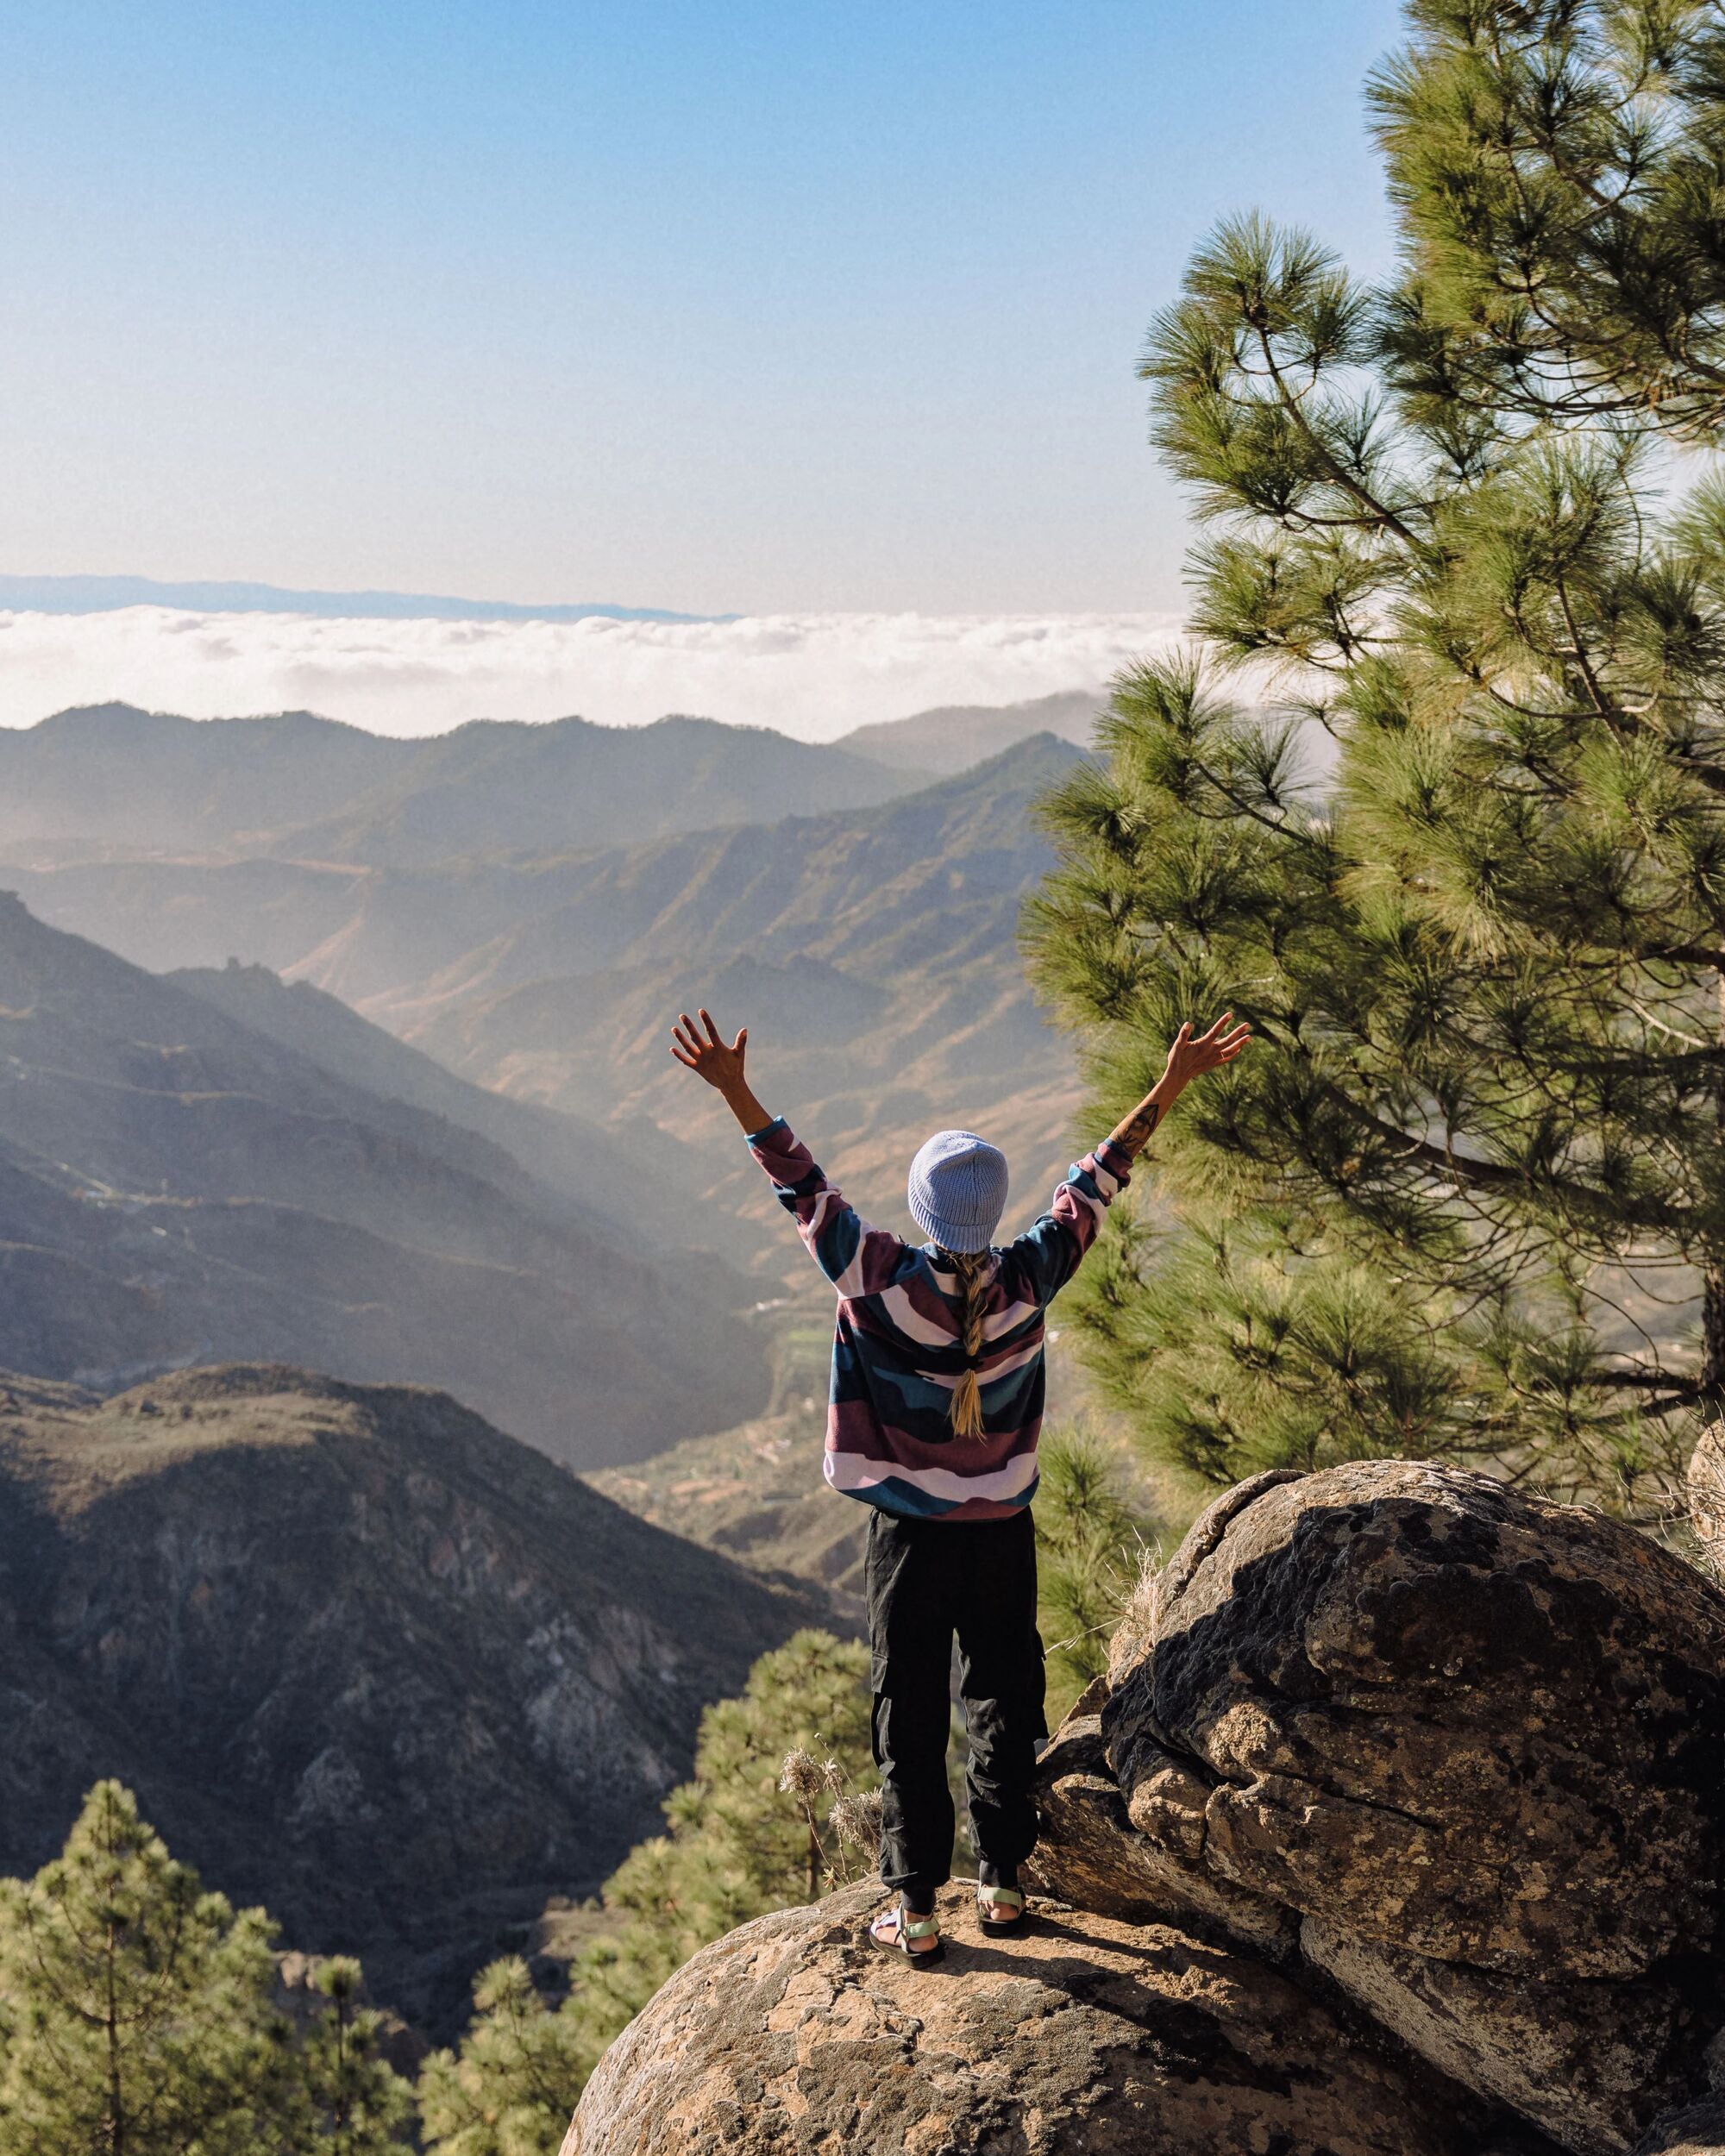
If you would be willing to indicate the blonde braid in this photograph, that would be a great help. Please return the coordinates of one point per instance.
(972, 1267)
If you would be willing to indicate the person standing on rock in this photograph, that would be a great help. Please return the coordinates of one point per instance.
(936, 1406)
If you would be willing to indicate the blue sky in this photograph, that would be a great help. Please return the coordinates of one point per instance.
(741, 308)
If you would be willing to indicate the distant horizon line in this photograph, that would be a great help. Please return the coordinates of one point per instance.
(114, 706)
(97, 594)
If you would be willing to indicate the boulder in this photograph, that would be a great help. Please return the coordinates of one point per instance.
(1588, 2062)
(795, 2036)
(1475, 1741)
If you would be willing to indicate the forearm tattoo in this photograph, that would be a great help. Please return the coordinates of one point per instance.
(1133, 1135)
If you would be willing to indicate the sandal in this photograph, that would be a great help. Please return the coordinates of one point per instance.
(904, 1928)
(1001, 1897)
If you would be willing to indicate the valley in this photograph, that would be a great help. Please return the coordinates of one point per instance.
(337, 1139)
(176, 1189)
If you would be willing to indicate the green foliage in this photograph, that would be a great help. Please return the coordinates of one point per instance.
(137, 2016)
(510, 2089)
(1560, 170)
(357, 2102)
(1455, 1199)
(1092, 1542)
(778, 1810)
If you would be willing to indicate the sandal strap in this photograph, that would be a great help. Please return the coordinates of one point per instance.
(916, 1926)
(1005, 1897)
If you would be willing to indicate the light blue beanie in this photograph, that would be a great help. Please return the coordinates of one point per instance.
(958, 1190)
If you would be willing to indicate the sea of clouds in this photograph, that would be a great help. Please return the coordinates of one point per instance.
(813, 675)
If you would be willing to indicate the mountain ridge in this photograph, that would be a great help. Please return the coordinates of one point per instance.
(112, 780)
(365, 1658)
(948, 737)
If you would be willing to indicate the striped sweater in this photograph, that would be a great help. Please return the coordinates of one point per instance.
(897, 1352)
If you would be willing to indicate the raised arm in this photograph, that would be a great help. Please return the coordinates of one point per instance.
(858, 1259)
(1051, 1251)
(1191, 1056)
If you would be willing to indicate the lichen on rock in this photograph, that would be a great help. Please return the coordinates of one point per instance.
(795, 2036)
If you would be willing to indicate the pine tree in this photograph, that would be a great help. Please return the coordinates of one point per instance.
(356, 2103)
(138, 2005)
(1466, 1193)
(1559, 168)
(137, 2016)
(511, 2088)
(1093, 1536)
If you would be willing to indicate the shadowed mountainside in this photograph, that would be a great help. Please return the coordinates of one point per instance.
(363, 1658)
(176, 1187)
(631, 1171)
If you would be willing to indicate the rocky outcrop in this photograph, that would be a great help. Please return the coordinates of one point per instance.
(795, 2036)
(1475, 1742)
(1400, 1822)
(1093, 1857)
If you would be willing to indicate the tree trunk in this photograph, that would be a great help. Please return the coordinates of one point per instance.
(1712, 1400)
(116, 2104)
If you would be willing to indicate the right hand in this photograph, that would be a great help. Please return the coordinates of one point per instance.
(720, 1064)
(1192, 1054)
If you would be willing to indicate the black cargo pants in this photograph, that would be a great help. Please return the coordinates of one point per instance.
(928, 1579)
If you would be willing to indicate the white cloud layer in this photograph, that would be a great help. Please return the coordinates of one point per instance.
(814, 675)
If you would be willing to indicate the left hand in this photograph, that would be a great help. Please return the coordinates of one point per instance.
(712, 1058)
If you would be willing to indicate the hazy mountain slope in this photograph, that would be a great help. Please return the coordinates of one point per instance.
(942, 870)
(111, 779)
(194, 911)
(873, 956)
(954, 735)
(873, 951)
(631, 1171)
(108, 775)
(506, 788)
(175, 1188)
(363, 1658)
(918, 868)
(361, 931)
